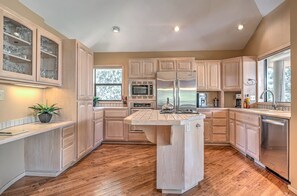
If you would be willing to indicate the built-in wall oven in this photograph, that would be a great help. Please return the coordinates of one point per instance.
(275, 145)
(142, 89)
(140, 105)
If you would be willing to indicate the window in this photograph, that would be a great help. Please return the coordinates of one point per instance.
(277, 76)
(108, 84)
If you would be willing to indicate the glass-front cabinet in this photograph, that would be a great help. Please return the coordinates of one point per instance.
(18, 59)
(48, 58)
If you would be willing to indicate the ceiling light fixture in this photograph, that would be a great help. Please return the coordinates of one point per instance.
(116, 29)
(176, 28)
(240, 27)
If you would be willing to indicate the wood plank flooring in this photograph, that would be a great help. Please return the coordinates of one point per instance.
(131, 170)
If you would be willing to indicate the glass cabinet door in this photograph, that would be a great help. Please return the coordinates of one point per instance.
(48, 58)
(18, 60)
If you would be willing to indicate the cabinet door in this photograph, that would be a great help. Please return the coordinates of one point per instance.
(232, 74)
(201, 69)
(214, 75)
(68, 145)
(207, 130)
(81, 129)
(89, 76)
(18, 51)
(185, 65)
(135, 69)
(167, 65)
(240, 136)
(253, 141)
(89, 127)
(115, 129)
(149, 68)
(82, 69)
(98, 132)
(232, 132)
(49, 58)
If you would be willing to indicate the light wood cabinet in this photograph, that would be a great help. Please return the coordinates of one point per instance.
(114, 127)
(232, 132)
(208, 75)
(142, 68)
(85, 128)
(232, 74)
(240, 136)
(98, 127)
(176, 64)
(253, 141)
(49, 58)
(84, 74)
(207, 130)
(68, 152)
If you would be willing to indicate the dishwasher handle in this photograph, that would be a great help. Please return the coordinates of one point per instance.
(273, 122)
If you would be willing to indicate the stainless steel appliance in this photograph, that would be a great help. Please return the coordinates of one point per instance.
(179, 87)
(140, 105)
(275, 145)
(202, 100)
(142, 89)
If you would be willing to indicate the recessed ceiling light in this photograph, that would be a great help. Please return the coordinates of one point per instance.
(176, 28)
(240, 27)
(116, 29)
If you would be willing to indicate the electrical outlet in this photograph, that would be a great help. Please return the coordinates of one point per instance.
(253, 97)
(1, 95)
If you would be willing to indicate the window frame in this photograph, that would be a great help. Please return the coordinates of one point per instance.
(115, 84)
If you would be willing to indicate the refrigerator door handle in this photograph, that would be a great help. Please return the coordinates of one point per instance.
(178, 95)
(174, 94)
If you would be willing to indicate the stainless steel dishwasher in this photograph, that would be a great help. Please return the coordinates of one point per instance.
(275, 145)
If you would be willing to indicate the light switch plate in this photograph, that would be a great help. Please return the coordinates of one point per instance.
(253, 97)
(1, 95)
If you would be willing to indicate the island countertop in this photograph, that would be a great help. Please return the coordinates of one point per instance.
(153, 117)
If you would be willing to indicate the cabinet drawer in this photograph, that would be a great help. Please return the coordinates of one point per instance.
(216, 129)
(68, 141)
(98, 115)
(248, 118)
(221, 122)
(219, 137)
(116, 113)
(68, 131)
(220, 114)
(232, 115)
(137, 136)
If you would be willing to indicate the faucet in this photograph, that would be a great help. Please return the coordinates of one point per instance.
(274, 105)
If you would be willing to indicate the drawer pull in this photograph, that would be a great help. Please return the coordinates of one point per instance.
(198, 125)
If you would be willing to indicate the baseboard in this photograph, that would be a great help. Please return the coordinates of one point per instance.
(7, 185)
(294, 190)
(42, 174)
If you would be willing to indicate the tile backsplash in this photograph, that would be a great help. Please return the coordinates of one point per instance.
(17, 122)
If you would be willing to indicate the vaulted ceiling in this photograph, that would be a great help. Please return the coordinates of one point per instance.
(148, 25)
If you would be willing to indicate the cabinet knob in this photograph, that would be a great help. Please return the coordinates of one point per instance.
(198, 125)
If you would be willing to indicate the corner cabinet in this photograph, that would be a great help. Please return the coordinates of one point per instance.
(49, 63)
(29, 54)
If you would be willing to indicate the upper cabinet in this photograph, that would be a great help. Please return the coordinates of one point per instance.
(18, 59)
(176, 64)
(208, 75)
(142, 68)
(49, 69)
(29, 53)
(232, 74)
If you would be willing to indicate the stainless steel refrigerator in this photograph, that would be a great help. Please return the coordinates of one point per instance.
(179, 87)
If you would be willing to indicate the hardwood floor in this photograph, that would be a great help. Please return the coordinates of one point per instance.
(131, 170)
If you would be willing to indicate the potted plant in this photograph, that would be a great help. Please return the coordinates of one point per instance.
(95, 100)
(45, 112)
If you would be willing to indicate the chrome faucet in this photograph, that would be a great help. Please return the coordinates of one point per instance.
(274, 105)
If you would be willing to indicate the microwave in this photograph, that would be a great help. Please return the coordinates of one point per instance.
(142, 89)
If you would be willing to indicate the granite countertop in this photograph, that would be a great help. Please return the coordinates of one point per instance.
(153, 117)
(31, 129)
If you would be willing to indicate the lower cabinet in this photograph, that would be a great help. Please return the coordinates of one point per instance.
(253, 141)
(85, 135)
(98, 132)
(207, 130)
(232, 132)
(68, 152)
(240, 136)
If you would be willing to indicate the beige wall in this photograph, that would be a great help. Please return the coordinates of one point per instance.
(18, 99)
(293, 137)
(122, 58)
(272, 33)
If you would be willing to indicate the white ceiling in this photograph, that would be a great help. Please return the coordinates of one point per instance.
(147, 25)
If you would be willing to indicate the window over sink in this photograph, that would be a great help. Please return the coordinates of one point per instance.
(108, 83)
(274, 73)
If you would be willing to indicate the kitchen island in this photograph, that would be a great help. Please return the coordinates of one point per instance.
(180, 147)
